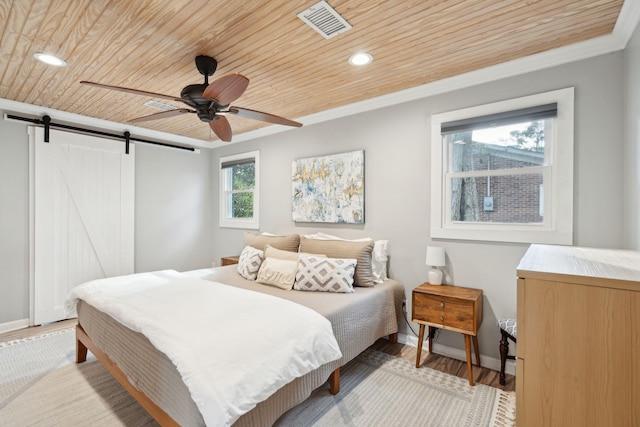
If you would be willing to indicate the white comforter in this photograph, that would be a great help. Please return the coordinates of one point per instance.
(233, 347)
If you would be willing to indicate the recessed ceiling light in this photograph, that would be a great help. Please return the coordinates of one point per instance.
(362, 58)
(50, 59)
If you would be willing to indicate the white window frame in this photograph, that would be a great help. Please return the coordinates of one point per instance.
(557, 227)
(248, 223)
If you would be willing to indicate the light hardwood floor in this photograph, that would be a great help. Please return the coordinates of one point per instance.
(37, 330)
(431, 360)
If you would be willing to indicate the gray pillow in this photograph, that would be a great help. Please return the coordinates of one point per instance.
(260, 241)
(361, 251)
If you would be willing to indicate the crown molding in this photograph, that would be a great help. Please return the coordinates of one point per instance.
(627, 21)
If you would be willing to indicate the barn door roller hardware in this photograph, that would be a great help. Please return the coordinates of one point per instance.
(47, 125)
(46, 121)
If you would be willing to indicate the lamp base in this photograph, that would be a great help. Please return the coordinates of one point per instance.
(435, 276)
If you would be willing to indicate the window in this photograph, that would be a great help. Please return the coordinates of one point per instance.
(504, 171)
(239, 178)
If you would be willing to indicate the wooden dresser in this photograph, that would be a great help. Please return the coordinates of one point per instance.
(578, 337)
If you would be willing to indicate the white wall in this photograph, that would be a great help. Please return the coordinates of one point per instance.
(14, 224)
(397, 158)
(173, 204)
(631, 188)
(173, 209)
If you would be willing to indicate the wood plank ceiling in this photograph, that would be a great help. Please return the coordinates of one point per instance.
(294, 72)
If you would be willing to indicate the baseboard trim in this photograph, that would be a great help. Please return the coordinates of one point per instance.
(15, 325)
(456, 353)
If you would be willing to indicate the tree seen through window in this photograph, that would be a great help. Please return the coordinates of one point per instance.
(242, 184)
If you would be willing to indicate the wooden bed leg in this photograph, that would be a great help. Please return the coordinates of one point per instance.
(81, 349)
(393, 338)
(334, 382)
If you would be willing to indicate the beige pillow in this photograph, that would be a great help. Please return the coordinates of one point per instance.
(260, 241)
(271, 252)
(318, 273)
(361, 251)
(279, 268)
(277, 272)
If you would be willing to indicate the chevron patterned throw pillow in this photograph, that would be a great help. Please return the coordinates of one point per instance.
(249, 262)
(318, 273)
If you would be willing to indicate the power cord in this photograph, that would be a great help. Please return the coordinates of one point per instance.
(404, 314)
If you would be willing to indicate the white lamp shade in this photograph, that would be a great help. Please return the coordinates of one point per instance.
(435, 256)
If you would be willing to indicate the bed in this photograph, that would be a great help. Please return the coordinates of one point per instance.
(357, 319)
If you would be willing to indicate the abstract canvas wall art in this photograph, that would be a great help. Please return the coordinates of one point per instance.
(329, 188)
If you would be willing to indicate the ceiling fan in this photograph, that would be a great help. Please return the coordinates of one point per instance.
(211, 102)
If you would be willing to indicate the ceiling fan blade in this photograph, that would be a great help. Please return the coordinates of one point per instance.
(162, 115)
(259, 115)
(221, 127)
(135, 91)
(227, 88)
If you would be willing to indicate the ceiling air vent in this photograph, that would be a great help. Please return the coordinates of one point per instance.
(325, 20)
(159, 105)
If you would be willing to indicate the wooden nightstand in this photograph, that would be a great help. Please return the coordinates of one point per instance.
(229, 260)
(448, 307)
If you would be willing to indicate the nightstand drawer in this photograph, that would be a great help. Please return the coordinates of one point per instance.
(427, 308)
(446, 312)
(459, 316)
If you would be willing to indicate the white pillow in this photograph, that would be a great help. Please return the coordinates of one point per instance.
(249, 262)
(278, 272)
(319, 273)
(379, 261)
(379, 256)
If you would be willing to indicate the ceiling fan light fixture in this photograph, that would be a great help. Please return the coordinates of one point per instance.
(360, 58)
(210, 101)
(50, 59)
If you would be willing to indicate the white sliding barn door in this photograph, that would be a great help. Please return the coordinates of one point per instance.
(83, 215)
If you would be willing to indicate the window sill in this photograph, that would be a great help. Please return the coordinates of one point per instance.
(514, 234)
(251, 224)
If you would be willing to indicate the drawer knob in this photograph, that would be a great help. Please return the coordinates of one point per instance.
(441, 304)
(441, 318)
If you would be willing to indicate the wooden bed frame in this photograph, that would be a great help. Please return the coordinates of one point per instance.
(84, 343)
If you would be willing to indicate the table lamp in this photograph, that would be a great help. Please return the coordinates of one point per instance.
(436, 259)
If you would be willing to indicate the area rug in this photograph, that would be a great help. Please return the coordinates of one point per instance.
(41, 386)
(24, 362)
(378, 389)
